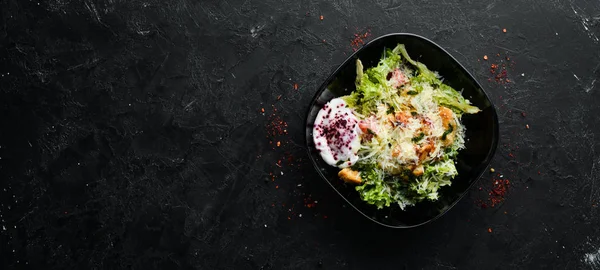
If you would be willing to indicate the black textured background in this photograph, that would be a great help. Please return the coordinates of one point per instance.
(131, 135)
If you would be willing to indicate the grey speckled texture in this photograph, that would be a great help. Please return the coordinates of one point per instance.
(132, 135)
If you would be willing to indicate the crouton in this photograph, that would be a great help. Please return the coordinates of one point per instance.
(350, 176)
(419, 170)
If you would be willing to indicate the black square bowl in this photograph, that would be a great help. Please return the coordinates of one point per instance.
(481, 138)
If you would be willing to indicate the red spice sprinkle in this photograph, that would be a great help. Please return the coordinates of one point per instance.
(485, 57)
(502, 76)
(359, 40)
(493, 68)
(262, 110)
(276, 186)
(504, 30)
(309, 203)
(321, 17)
(276, 126)
(295, 86)
(496, 195)
(489, 230)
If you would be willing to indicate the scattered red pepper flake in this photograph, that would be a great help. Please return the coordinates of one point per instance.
(278, 144)
(276, 125)
(485, 57)
(504, 30)
(481, 204)
(309, 203)
(527, 126)
(359, 39)
(502, 76)
(295, 86)
(496, 195)
(276, 187)
(499, 73)
(262, 110)
(490, 230)
(321, 17)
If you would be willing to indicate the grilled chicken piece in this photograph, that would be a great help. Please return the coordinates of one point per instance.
(424, 151)
(449, 124)
(402, 117)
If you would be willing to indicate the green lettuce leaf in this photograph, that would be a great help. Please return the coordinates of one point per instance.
(447, 96)
(435, 176)
(374, 190)
(425, 75)
(368, 91)
(388, 63)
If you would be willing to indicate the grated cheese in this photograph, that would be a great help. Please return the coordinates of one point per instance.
(398, 138)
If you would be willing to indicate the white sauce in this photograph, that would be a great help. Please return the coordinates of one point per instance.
(336, 134)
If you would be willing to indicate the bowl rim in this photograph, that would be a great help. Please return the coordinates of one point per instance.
(489, 156)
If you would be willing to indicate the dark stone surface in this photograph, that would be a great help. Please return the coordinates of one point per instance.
(132, 135)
